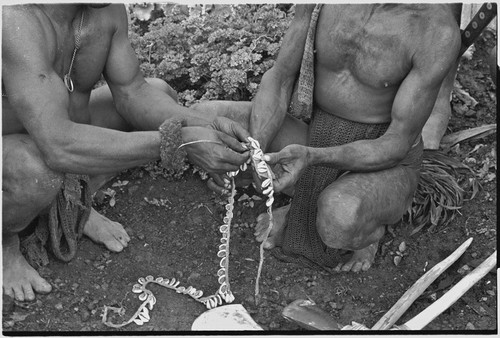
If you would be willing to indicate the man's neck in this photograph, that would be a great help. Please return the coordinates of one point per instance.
(62, 14)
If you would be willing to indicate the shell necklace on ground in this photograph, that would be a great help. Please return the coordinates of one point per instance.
(224, 293)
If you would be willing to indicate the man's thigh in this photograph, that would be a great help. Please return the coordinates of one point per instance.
(376, 198)
(292, 131)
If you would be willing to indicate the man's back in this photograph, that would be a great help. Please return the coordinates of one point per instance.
(364, 52)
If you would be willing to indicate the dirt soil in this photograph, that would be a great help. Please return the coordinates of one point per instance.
(173, 225)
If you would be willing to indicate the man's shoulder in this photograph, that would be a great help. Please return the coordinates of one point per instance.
(16, 13)
(112, 14)
(442, 32)
(25, 23)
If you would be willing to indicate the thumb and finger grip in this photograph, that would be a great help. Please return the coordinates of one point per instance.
(231, 142)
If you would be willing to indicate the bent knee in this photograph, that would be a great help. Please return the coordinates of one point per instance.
(339, 218)
(26, 176)
(163, 86)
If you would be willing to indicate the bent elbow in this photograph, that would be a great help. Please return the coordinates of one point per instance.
(400, 155)
(55, 160)
(55, 154)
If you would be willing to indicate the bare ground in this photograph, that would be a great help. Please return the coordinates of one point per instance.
(173, 225)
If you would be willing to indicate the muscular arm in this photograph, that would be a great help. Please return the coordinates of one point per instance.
(142, 105)
(273, 98)
(411, 108)
(42, 103)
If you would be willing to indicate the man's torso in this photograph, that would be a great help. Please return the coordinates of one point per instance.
(96, 35)
(364, 52)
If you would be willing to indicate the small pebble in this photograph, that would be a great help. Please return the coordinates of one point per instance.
(274, 326)
(193, 276)
(85, 315)
(92, 305)
(140, 236)
(470, 326)
(59, 306)
(250, 299)
(464, 270)
(334, 305)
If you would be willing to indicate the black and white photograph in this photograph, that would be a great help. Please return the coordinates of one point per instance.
(249, 167)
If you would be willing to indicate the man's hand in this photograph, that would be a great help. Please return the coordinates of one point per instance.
(220, 147)
(288, 165)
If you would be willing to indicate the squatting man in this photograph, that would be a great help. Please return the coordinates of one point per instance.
(368, 77)
(61, 139)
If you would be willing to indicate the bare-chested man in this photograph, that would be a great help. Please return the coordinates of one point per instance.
(354, 169)
(48, 130)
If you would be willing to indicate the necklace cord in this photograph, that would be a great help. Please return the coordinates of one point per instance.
(67, 77)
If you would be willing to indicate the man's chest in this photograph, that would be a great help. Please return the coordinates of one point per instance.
(85, 63)
(373, 48)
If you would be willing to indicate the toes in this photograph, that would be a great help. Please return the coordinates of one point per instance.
(19, 294)
(269, 244)
(114, 246)
(357, 267)
(366, 266)
(29, 295)
(9, 292)
(259, 236)
(121, 234)
(122, 239)
(347, 266)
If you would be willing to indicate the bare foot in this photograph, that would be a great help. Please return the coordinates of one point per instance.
(361, 260)
(104, 231)
(20, 280)
(276, 234)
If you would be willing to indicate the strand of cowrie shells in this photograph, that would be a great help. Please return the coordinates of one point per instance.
(224, 293)
(266, 176)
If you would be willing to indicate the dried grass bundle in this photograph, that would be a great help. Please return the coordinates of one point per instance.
(439, 194)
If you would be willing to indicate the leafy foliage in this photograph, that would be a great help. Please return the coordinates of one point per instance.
(220, 55)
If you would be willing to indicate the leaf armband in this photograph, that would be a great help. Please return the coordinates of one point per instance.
(172, 157)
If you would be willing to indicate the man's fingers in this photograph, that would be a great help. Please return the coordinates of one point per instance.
(231, 128)
(232, 143)
(241, 133)
(216, 187)
(221, 180)
(271, 158)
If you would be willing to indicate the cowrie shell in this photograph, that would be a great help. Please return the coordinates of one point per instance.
(266, 183)
(270, 201)
(267, 191)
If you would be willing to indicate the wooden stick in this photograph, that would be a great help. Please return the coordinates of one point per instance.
(388, 320)
(448, 299)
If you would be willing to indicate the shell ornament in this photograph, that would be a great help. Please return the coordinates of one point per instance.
(223, 294)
